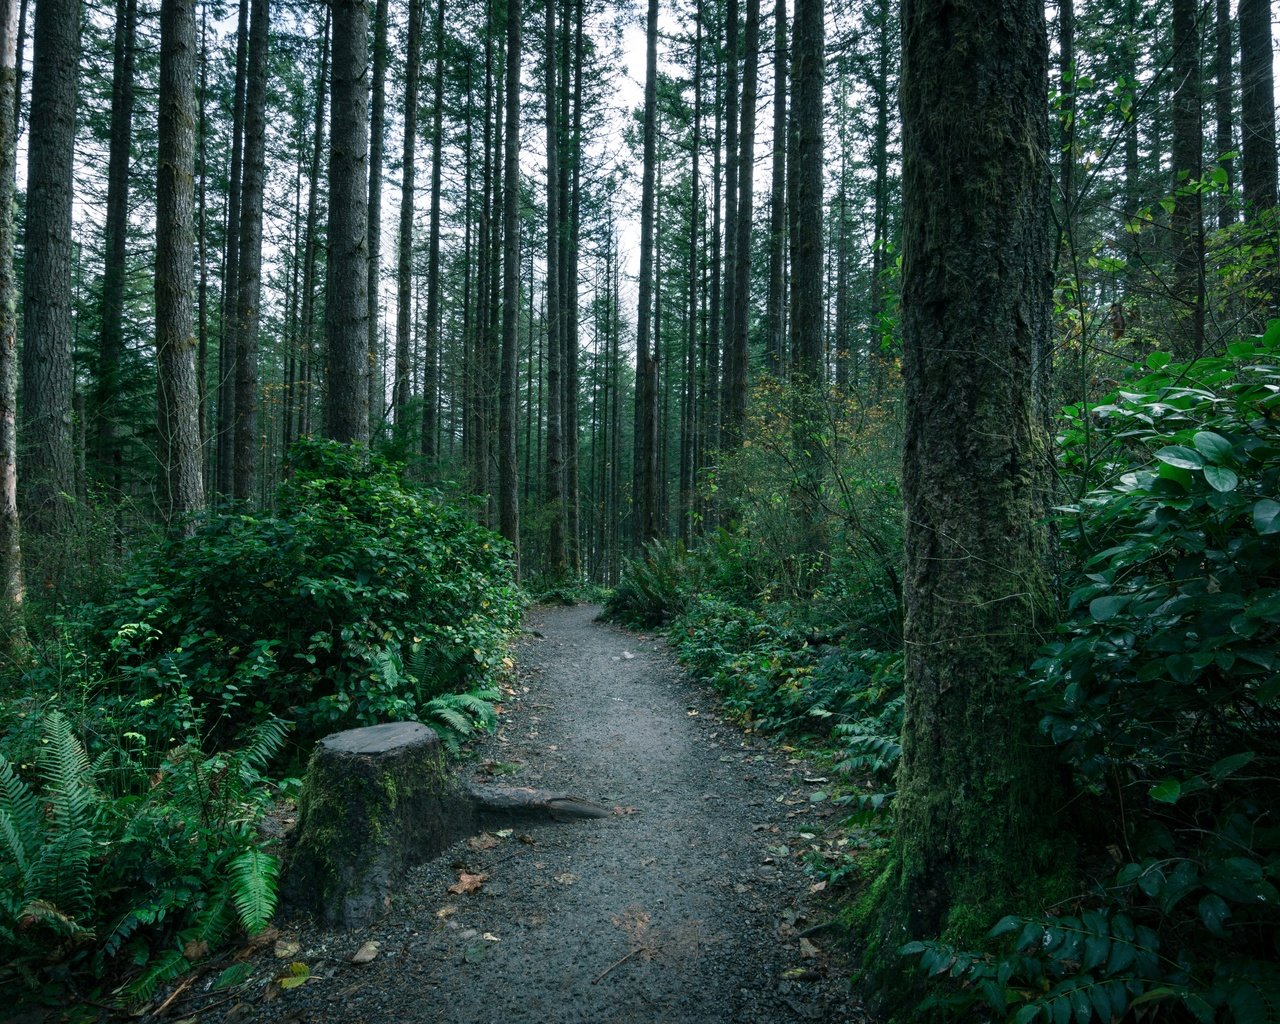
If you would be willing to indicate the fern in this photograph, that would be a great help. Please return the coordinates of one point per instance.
(455, 716)
(252, 879)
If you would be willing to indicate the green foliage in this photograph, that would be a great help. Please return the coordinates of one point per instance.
(361, 599)
(656, 586)
(107, 864)
(1162, 696)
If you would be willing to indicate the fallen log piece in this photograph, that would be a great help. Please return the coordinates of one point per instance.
(380, 800)
(522, 804)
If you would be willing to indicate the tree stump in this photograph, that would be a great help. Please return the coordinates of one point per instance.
(376, 801)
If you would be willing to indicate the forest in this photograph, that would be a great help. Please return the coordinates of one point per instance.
(910, 365)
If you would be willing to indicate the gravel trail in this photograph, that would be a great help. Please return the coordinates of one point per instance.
(683, 907)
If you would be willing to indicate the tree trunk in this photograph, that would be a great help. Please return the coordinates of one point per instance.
(976, 805)
(1187, 220)
(431, 350)
(307, 315)
(346, 296)
(108, 455)
(735, 389)
(556, 558)
(227, 358)
(12, 589)
(249, 288)
(1223, 96)
(775, 321)
(509, 395)
(573, 509)
(404, 261)
(645, 470)
(178, 397)
(377, 141)
(728, 429)
(804, 179)
(1257, 107)
(1067, 71)
(47, 466)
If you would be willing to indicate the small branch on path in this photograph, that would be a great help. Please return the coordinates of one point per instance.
(618, 963)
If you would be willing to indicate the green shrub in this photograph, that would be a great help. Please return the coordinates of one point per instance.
(656, 586)
(361, 599)
(114, 863)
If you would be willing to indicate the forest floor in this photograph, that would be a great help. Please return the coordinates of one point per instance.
(689, 904)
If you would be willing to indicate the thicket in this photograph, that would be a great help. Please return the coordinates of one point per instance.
(1159, 687)
(146, 737)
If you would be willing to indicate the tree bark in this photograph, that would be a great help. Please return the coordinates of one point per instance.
(775, 321)
(1257, 107)
(249, 287)
(404, 261)
(645, 473)
(556, 557)
(346, 296)
(431, 350)
(509, 395)
(227, 359)
(178, 397)
(47, 465)
(377, 142)
(108, 455)
(735, 390)
(12, 587)
(1187, 220)
(976, 805)
(1223, 97)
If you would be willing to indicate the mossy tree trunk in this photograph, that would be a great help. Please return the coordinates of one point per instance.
(976, 787)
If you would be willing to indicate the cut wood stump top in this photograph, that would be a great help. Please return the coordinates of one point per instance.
(380, 739)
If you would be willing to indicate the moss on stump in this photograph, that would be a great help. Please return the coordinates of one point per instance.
(376, 802)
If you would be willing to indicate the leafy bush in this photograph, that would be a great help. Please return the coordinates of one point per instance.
(656, 586)
(109, 864)
(361, 599)
(1162, 695)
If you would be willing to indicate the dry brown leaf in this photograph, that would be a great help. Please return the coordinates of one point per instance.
(623, 811)
(444, 913)
(196, 949)
(568, 878)
(467, 882)
(483, 841)
(808, 949)
(287, 949)
(367, 953)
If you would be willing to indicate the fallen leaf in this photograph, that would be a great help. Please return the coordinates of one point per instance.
(474, 952)
(367, 953)
(467, 882)
(817, 886)
(196, 949)
(490, 937)
(624, 810)
(568, 878)
(526, 839)
(628, 655)
(692, 714)
(298, 975)
(444, 913)
(287, 949)
(807, 948)
(483, 841)
(504, 833)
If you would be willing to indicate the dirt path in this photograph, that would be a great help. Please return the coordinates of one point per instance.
(682, 908)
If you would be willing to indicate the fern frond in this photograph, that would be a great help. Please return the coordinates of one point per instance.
(60, 874)
(450, 717)
(252, 876)
(264, 741)
(18, 804)
(167, 966)
(45, 913)
(67, 776)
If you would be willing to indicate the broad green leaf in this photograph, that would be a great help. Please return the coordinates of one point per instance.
(1166, 791)
(1230, 765)
(1266, 514)
(1158, 360)
(1104, 608)
(1213, 911)
(1214, 446)
(1220, 478)
(1180, 456)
